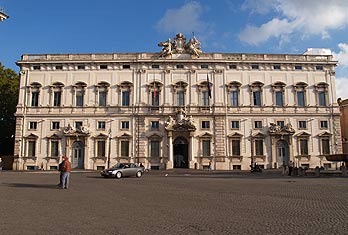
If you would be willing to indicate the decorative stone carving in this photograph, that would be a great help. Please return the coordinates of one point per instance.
(276, 129)
(180, 122)
(70, 130)
(179, 46)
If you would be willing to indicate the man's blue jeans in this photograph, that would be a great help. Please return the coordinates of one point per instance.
(65, 179)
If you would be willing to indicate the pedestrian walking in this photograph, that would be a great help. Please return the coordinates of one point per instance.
(60, 172)
(66, 169)
(209, 167)
(290, 166)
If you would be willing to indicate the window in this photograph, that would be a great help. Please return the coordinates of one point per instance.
(276, 67)
(322, 98)
(258, 147)
(254, 66)
(206, 148)
(78, 125)
(102, 98)
(155, 98)
(205, 124)
(32, 125)
(325, 146)
(125, 125)
(101, 148)
(235, 124)
(101, 125)
(302, 125)
(205, 98)
(234, 98)
(324, 124)
(81, 67)
(281, 123)
(233, 66)
(204, 66)
(301, 99)
(179, 66)
(155, 148)
(125, 98)
(235, 147)
(319, 67)
(279, 98)
(35, 99)
(55, 125)
(303, 146)
(124, 148)
(237, 167)
(233, 90)
(57, 98)
(126, 66)
(258, 124)
(103, 66)
(180, 96)
(54, 148)
(298, 67)
(31, 148)
(155, 66)
(257, 98)
(155, 124)
(79, 98)
(36, 67)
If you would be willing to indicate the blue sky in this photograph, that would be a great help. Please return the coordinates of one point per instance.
(234, 26)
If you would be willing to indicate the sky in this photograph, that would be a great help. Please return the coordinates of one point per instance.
(231, 26)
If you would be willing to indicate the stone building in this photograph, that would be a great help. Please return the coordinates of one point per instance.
(177, 108)
(3, 16)
(344, 123)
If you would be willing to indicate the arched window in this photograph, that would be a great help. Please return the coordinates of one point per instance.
(79, 90)
(300, 94)
(179, 89)
(56, 90)
(34, 92)
(322, 96)
(278, 94)
(233, 90)
(256, 93)
(102, 89)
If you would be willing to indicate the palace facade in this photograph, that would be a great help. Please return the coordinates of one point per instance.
(180, 108)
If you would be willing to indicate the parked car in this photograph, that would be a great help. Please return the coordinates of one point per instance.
(123, 170)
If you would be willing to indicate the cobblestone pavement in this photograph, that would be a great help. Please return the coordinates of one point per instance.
(183, 202)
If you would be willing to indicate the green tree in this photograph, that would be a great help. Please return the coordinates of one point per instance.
(9, 84)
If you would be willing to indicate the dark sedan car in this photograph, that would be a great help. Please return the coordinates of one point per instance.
(123, 170)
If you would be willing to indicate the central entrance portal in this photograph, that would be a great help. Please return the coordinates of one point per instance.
(180, 153)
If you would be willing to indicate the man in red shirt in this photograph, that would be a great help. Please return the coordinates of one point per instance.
(65, 173)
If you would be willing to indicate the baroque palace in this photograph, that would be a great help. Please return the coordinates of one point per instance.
(179, 108)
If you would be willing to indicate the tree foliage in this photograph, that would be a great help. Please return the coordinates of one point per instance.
(9, 84)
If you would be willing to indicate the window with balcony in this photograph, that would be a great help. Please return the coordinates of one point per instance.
(322, 94)
(54, 148)
(206, 152)
(79, 89)
(258, 147)
(124, 148)
(101, 148)
(235, 146)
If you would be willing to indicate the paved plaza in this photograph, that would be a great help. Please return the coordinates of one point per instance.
(183, 202)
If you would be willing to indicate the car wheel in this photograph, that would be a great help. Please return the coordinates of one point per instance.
(138, 174)
(118, 175)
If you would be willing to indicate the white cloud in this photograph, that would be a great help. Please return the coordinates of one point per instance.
(342, 88)
(342, 55)
(184, 20)
(310, 17)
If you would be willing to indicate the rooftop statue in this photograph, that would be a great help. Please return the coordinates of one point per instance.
(179, 46)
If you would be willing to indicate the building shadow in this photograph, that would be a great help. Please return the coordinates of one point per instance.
(23, 185)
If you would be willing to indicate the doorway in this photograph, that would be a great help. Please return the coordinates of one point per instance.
(77, 159)
(282, 153)
(180, 153)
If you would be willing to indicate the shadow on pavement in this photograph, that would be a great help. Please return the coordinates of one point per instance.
(22, 185)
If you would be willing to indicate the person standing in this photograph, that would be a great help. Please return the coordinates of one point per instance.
(290, 166)
(0, 165)
(65, 173)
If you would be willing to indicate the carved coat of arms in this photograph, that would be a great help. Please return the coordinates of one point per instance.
(179, 46)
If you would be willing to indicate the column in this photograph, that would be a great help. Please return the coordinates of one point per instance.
(171, 159)
(192, 162)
